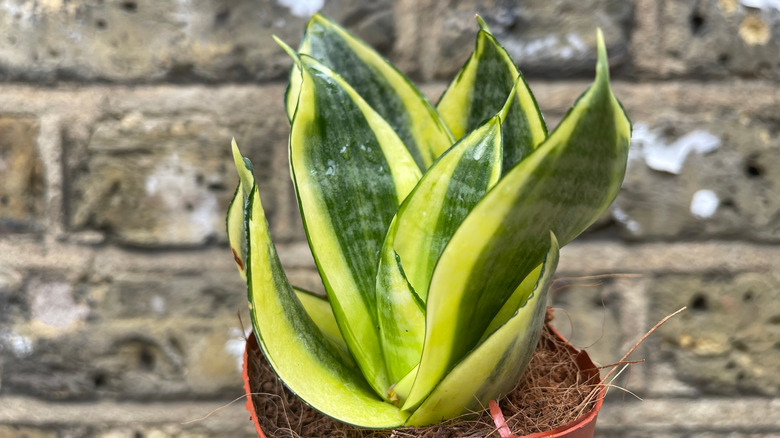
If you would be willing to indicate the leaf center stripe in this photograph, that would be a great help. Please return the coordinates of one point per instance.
(467, 186)
(350, 168)
(332, 50)
(487, 97)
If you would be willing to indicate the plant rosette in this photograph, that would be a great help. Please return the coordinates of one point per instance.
(435, 230)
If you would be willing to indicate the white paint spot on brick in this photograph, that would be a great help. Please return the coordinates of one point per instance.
(701, 142)
(532, 47)
(567, 47)
(576, 43)
(158, 304)
(641, 136)
(202, 217)
(152, 183)
(23, 10)
(621, 216)
(20, 346)
(173, 182)
(762, 4)
(183, 15)
(302, 8)
(659, 155)
(236, 344)
(704, 204)
(52, 304)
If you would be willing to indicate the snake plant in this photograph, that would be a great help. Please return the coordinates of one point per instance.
(435, 229)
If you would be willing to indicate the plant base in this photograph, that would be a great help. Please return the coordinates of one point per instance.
(549, 401)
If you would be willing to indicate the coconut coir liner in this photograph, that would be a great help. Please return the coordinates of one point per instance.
(550, 393)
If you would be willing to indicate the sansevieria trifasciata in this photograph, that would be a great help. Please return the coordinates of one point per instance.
(435, 229)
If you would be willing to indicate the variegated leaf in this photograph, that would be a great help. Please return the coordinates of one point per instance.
(382, 86)
(315, 305)
(421, 229)
(351, 172)
(309, 364)
(319, 310)
(479, 91)
(563, 187)
(235, 217)
(494, 367)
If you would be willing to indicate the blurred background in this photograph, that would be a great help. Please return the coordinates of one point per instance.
(119, 299)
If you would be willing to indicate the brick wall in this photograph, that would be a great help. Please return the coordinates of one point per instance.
(118, 295)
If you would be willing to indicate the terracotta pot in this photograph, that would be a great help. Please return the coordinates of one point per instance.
(583, 427)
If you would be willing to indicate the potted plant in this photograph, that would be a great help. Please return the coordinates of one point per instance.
(435, 230)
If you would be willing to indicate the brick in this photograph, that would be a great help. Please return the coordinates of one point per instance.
(173, 176)
(93, 419)
(727, 341)
(22, 183)
(685, 417)
(706, 39)
(137, 295)
(137, 359)
(174, 169)
(725, 192)
(26, 432)
(713, 140)
(166, 41)
(605, 316)
(546, 39)
(592, 256)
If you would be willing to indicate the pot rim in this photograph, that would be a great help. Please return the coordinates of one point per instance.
(585, 425)
(580, 428)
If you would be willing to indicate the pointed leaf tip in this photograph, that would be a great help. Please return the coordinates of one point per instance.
(602, 64)
(290, 51)
(234, 148)
(382, 86)
(244, 169)
(482, 24)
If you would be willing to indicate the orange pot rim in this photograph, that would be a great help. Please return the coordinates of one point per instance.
(585, 425)
(582, 427)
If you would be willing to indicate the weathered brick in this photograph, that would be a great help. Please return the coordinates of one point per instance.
(167, 41)
(604, 314)
(721, 417)
(189, 419)
(727, 341)
(174, 169)
(548, 39)
(717, 140)
(21, 174)
(27, 432)
(137, 295)
(699, 176)
(706, 39)
(171, 174)
(138, 358)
